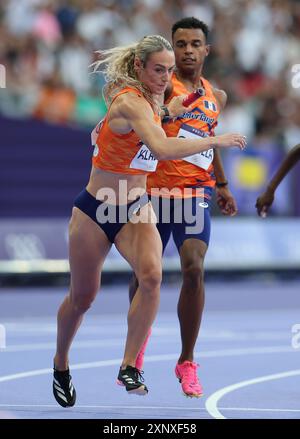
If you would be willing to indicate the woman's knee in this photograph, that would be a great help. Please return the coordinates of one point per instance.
(82, 302)
(150, 278)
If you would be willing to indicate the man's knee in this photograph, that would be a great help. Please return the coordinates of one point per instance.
(193, 273)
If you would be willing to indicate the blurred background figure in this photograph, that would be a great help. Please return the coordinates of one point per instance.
(51, 101)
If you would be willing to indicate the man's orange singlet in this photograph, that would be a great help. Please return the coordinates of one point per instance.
(195, 171)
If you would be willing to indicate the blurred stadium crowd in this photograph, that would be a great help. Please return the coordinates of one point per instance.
(47, 46)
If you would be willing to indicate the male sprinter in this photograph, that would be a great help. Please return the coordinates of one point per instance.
(197, 172)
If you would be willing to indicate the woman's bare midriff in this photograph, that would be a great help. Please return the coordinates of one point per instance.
(115, 188)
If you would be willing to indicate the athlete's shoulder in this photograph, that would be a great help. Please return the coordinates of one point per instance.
(131, 104)
(221, 96)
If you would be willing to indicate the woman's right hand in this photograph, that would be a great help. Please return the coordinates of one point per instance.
(176, 107)
(229, 140)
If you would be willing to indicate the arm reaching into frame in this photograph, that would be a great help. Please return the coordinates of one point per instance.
(265, 200)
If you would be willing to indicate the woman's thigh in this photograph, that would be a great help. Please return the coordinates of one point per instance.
(88, 248)
(140, 243)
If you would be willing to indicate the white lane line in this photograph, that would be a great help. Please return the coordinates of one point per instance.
(253, 409)
(107, 407)
(120, 341)
(76, 345)
(156, 358)
(211, 403)
(37, 372)
(125, 407)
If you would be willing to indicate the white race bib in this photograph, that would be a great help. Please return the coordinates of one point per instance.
(201, 159)
(144, 160)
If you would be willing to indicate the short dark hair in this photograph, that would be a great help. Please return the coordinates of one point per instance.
(190, 23)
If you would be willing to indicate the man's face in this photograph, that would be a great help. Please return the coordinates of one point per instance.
(190, 49)
(157, 72)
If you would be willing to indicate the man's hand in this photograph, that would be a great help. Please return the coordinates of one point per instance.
(226, 201)
(264, 202)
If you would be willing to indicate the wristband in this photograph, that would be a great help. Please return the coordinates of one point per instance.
(165, 110)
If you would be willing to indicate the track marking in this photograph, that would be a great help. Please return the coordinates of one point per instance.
(154, 359)
(116, 342)
(139, 407)
(211, 403)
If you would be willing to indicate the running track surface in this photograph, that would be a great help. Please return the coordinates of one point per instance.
(248, 366)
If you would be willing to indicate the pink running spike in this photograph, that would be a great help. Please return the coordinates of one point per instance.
(186, 372)
(140, 357)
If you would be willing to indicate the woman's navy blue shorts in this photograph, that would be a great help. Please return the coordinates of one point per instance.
(110, 218)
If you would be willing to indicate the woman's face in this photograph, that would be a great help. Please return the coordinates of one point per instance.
(157, 72)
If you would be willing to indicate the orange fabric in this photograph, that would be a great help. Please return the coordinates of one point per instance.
(179, 173)
(116, 152)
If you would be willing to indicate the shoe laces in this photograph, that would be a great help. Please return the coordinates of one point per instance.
(139, 374)
(135, 372)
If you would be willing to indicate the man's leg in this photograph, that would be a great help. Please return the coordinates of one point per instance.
(192, 248)
(191, 300)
